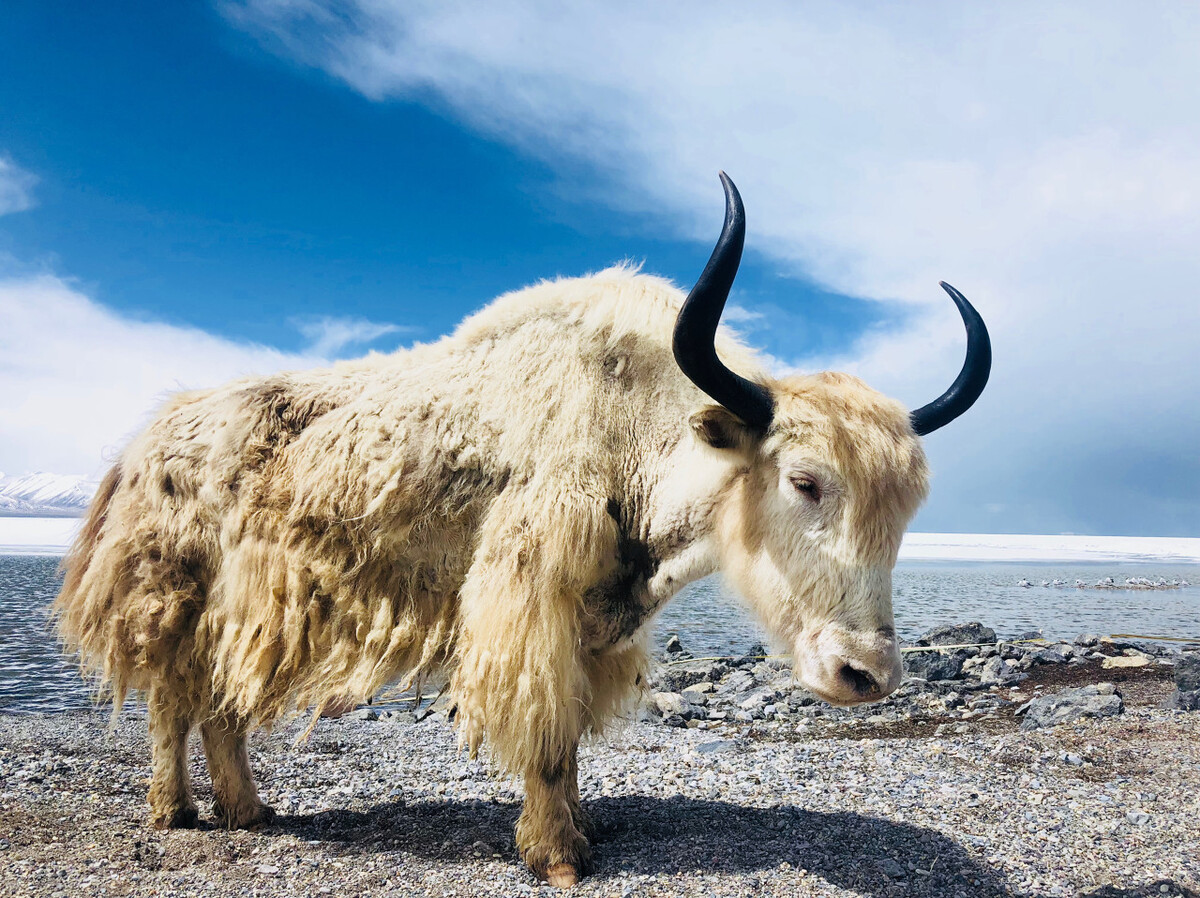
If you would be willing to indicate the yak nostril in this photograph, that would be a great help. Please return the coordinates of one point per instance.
(859, 681)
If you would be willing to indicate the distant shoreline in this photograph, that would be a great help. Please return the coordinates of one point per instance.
(29, 535)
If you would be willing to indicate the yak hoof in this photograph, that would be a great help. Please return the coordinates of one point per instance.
(562, 876)
(244, 818)
(181, 818)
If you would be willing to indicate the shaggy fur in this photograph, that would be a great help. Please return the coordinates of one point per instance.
(509, 505)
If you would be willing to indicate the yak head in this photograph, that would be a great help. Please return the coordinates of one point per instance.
(827, 475)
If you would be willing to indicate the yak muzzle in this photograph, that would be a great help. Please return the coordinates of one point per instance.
(846, 668)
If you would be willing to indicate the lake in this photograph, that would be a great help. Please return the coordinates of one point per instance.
(35, 677)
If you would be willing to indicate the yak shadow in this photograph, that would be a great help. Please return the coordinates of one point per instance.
(640, 835)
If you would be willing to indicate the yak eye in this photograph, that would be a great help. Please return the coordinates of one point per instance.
(806, 485)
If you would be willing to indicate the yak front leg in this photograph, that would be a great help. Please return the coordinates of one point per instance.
(171, 805)
(236, 804)
(520, 678)
(548, 834)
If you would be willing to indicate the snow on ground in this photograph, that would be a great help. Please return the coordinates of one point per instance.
(51, 536)
(1027, 547)
(36, 536)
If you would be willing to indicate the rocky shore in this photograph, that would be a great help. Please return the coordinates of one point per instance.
(1028, 768)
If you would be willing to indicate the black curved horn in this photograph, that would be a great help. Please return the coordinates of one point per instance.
(971, 379)
(696, 325)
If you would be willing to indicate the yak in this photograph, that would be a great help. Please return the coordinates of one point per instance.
(507, 507)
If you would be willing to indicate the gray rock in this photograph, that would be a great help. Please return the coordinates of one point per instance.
(997, 672)
(1183, 701)
(720, 745)
(1087, 640)
(890, 868)
(364, 714)
(801, 698)
(1052, 654)
(738, 681)
(1187, 673)
(755, 654)
(674, 646)
(672, 703)
(1101, 700)
(933, 665)
(958, 634)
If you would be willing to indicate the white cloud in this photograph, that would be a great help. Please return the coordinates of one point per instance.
(1042, 157)
(741, 317)
(329, 336)
(77, 379)
(16, 187)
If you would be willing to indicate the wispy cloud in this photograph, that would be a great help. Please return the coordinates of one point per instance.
(739, 316)
(1037, 156)
(16, 187)
(330, 336)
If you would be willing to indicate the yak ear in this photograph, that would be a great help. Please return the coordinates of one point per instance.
(719, 428)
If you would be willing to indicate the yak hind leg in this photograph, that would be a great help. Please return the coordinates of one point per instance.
(548, 835)
(236, 804)
(170, 797)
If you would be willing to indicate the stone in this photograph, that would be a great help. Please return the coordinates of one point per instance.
(959, 634)
(933, 665)
(364, 714)
(674, 646)
(801, 698)
(1183, 701)
(672, 703)
(1052, 654)
(1187, 673)
(738, 681)
(1125, 661)
(996, 672)
(1087, 640)
(763, 672)
(697, 692)
(1069, 705)
(717, 747)
(754, 655)
(890, 868)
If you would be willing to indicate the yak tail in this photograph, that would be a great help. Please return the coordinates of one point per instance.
(77, 612)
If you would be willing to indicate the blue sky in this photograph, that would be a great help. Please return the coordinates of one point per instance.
(189, 176)
(190, 191)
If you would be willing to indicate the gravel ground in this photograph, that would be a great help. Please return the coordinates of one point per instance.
(388, 807)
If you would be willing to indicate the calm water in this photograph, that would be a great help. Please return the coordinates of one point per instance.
(34, 676)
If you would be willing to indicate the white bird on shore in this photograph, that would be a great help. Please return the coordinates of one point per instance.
(1079, 584)
(1024, 583)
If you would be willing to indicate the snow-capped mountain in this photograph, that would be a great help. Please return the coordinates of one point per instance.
(45, 495)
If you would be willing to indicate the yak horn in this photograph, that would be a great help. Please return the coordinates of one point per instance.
(970, 381)
(696, 326)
